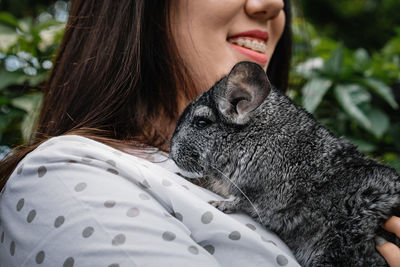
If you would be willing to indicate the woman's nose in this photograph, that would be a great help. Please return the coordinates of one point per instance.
(263, 9)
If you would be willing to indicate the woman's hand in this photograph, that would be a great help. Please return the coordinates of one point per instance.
(388, 250)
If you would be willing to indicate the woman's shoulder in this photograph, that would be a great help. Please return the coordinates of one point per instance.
(72, 146)
(70, 164)
(73, 197)
(76, 153)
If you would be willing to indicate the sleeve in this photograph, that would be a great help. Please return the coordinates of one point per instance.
(61, 209)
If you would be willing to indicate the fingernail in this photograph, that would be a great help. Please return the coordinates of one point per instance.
(379, 241)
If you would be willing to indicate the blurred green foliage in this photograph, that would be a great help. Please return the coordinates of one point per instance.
(346, 72)
(27, 47)
(352, 92)
(366, 23)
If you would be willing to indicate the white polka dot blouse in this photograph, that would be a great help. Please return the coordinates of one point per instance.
(77, 202)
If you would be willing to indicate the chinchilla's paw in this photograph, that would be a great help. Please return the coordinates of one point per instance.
(229, 205)
(223, 205)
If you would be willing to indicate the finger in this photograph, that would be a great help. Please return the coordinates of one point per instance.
(393, 225)
(389, 251)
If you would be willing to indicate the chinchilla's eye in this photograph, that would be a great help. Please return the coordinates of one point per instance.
(201, 123)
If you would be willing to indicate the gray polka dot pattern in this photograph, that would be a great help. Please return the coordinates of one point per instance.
(207, 217)
(80, 187)
(31, 216)
(194, 250)
(235, 235)
(59, 221)
(210, 249)
(168, 236)
(251, 226)
(282, 260)
(41, 171)
(133, 212)
(109, 203)
(144, 196)
(19, 171)
(69, 262)
(118, 240)
(113, 171)
(112, 163)
(88, 231)
(166, 182)
(12, 248)
(40, 257)
(20, 204)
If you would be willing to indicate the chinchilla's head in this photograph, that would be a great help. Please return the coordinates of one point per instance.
(211, 129)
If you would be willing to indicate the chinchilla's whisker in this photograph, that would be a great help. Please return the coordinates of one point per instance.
(240, 190)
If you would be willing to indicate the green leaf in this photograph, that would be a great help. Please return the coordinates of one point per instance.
(382, 90)
(27, 102)
(323, 46)
(25, 24)
(392, 159)
(379, 121)
(392, 47)
(361, 59)
(307, 69)
(333, 66)
(31, 104)
(37, 79)
(48, 24)
(4, 100)
(11, 78)
(8, 38)
(8, 19)
(343, 94)
(313, 92)
(50, 35)
(7, 30)
(362, 145)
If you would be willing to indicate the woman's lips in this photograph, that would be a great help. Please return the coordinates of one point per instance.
(256, 56)
(255, 34)
(252, 44)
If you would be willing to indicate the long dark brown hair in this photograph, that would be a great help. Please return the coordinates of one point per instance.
(118, 73)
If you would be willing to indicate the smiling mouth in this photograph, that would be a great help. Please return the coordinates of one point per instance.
(254, 44)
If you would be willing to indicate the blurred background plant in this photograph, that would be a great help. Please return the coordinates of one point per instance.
(29, 36)
(345, 69)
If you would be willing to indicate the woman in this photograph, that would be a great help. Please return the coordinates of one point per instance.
(124, 72)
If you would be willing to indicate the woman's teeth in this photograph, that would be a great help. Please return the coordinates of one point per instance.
(250, 43)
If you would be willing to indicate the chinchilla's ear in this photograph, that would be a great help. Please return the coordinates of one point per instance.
(246, 88)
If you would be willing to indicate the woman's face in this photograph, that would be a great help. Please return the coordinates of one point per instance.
(213, 35)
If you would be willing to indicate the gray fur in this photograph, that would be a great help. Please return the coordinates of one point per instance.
(325, 199)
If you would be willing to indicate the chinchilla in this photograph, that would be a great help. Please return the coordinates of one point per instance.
(325, 199)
